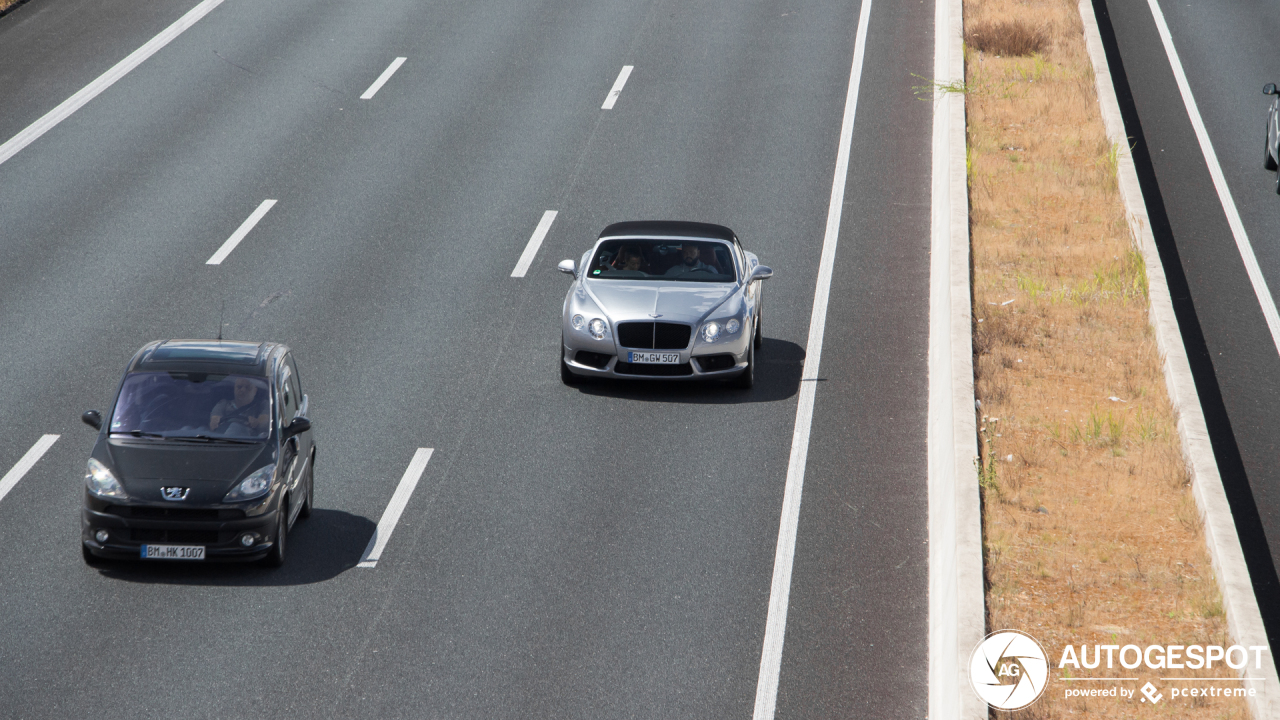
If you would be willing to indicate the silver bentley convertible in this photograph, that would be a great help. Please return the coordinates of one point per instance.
(663, 300)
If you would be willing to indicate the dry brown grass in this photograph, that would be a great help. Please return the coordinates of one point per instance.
(1090, 533)
(1007, 39)
(6, 4)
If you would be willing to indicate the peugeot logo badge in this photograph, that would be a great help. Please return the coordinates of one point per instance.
(175, 493)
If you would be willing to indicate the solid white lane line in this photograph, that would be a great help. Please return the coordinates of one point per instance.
(780, 589)
(535, 242)
(28, 461)
(239, 234)
(104, 81)
(617, 88)
(1220, 181)
(398, 502)
(383, 78)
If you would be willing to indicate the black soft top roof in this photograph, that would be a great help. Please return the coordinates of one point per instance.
(665, 228)
(213, 356)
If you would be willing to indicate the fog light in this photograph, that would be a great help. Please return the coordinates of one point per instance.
(101, 536)
(247, 539)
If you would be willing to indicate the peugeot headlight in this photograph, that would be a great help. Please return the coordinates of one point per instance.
(256, 485)
(598, 328)
(578, 322)
(101, 482)
(711, 331)
(732, 326)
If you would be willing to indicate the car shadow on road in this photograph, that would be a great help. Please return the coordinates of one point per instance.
(321, 547)
(779, 364)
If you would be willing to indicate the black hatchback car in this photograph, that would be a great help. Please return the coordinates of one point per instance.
(207, 454)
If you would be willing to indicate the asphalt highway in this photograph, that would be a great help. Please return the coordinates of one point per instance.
(603, 551)
(1225, 53)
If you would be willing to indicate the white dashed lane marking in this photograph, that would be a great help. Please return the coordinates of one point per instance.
(617, 88)
(399, 500)
(27, 462)
(240, 232)
(535, 242)
(383, 78)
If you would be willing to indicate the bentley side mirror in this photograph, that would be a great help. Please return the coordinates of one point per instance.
(762, 272)
(298, 426)
(1269, 89)
(92, 418)
(568, 266)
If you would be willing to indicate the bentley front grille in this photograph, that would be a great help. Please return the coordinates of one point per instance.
(654, 335)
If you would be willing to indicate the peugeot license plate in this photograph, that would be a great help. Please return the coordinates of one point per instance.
(172, 552)
(654, 358)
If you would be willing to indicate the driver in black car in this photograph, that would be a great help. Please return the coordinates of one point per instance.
(690, 262)
(244, 407)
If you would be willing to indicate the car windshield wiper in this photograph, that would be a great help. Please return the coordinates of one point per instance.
(211, 439)
(138, 433)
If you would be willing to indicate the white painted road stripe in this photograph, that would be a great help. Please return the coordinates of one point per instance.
(617, 88)
(104, 81)
(28, 461)
(239, 234)
(383, 78)
(398, 502)
(535, 242)
(1220, 182)
(780, 589)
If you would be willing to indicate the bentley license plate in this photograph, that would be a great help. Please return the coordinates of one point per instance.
(173, 552)
(654, 358)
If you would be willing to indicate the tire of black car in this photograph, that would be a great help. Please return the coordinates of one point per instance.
(275, 558)
(305, 511)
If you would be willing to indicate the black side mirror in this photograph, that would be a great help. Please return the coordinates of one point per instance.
(92, 418)
(299, 425)
(1269, 89)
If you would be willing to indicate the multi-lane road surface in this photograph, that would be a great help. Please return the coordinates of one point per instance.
(1217, 235)
(604, 551)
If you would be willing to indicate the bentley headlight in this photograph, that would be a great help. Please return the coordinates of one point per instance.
(256, 485)
(598, 328)
(578, 322)
(101, 482)
(732, 326)
(711, 331)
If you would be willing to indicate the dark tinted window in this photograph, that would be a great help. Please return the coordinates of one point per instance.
(663, 259)
(181, 404)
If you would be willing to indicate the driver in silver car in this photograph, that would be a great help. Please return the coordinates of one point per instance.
(692, 261)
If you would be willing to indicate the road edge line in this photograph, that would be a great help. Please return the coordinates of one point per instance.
(68, 107)
(775, 628)
(957, 599)
(1244, 620)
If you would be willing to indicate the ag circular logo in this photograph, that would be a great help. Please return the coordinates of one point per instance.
(1008, 670)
